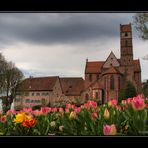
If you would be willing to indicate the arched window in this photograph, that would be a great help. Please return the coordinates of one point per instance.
(96, 95)
(112, 82)
(86, 97)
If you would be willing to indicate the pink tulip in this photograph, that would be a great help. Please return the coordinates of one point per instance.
(129, 100)
(112, 103)
(94, 116)
(27, 110)
(67, 110)
(3, 119)
(68, 105)
(61, 110)
(9, 112)
(138, 103)
(77, 109)
(124, 102)
(92, 104)
(54, 109)
(109, 129)
(37, 112)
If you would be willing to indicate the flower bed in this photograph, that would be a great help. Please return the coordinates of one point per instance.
(128, 118)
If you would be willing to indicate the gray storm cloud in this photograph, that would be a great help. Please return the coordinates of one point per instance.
(52, 28)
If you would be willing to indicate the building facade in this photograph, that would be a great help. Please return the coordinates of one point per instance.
(112, 74)
(103, 80)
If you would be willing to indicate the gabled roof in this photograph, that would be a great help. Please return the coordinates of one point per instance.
(94, 66)
(111, 70)
(111, 60)
(72, 86)
(38, 84)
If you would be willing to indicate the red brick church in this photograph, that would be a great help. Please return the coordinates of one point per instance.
(104, 79)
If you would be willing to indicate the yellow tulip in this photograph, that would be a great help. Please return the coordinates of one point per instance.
(106, 114)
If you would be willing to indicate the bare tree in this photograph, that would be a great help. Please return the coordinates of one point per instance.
(141, 25)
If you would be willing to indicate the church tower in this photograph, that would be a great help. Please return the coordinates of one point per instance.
(126, 45)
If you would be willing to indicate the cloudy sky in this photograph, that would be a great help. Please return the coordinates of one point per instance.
(47, 44)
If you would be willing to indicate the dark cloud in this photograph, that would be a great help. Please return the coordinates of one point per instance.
(52, 28)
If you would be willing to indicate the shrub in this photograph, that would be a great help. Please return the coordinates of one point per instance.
(130, 90)
(36, 107)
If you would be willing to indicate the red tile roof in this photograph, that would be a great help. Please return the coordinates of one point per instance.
(94, 67)
(126, 28)
(38, 83)
(72, 86)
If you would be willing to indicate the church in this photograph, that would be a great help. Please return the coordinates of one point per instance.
(103, 80)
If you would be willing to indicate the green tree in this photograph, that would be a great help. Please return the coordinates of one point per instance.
(145, 89)
(121, 95)
(130, 90)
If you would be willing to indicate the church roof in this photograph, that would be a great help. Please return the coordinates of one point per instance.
(38, 84)
(72, 86)
(97, 66)
(94, 66)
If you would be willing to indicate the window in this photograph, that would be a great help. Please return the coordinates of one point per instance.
(90, 77)
(32, 94)
(112, 82)
(97, 77)
(27, 101)
(126, 34)
(96, 95)
(86, 97)
(38, 94)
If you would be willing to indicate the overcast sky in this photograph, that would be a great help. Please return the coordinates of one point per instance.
(47, 44)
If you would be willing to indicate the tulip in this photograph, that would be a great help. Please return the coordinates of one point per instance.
(112, 103)
(94, 116)
(72, 115)
(53, 124)
(109, 129)
(138, 104)
(3, 119)
(106, 114)
(61, 128)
